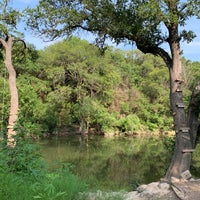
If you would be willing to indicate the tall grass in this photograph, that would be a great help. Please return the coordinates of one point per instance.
(63, 186)
(23, 176)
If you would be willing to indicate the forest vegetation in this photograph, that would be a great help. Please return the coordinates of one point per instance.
(65, 90)
(71, 86)
(150, 25)
(74, 87)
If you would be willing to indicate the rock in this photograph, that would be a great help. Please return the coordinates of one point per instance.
(174, 179)
(178, 190)
(132, 195)
(187, 190)
(142, 188)
(164, 186)
(155, 190)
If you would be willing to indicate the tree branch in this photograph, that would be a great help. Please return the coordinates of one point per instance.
(155, 50)
(3, 42)
(20, 40)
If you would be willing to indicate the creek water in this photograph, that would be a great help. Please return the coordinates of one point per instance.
(111, 163)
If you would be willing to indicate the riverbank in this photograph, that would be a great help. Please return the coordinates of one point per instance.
(153, 191)
(176, 190)
(140, 133)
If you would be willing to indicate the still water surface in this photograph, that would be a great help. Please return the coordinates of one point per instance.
(111, 163)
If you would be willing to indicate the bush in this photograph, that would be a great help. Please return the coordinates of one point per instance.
(55, 185)
(24, 159)
(129, 124)
(14, 187)
(59, 185)
(107, 120)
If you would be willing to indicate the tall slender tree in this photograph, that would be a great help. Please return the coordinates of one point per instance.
(148, 23)
(8, 21)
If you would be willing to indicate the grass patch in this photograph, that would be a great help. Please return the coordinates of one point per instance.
(53, 185)
(23, 176)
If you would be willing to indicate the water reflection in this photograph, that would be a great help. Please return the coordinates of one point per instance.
(112, 163)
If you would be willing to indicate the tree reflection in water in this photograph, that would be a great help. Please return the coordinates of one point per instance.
(112, 163)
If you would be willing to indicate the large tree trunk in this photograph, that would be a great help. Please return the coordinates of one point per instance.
(7, 44)
(181, 159)
(186, 126)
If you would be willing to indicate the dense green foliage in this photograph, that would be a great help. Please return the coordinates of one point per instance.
(149, 24)
(9, 18)
(70, 85)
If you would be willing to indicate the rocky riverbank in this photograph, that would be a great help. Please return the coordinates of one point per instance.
(153, 191)
(156, 190)
(176, 190)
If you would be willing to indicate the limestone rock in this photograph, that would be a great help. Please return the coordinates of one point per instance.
(179, 189)
(187, 190)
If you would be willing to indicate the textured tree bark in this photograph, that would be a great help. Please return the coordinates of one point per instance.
(14, 105)
(185, 126)
(181, 159)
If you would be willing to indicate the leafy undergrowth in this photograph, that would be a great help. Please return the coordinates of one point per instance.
(23, 176)
(51, 186)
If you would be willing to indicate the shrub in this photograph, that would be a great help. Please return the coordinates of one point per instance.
(59, 185)
(24, 159)
(129, 124)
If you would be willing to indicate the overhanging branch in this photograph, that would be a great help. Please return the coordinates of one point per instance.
(155, 50)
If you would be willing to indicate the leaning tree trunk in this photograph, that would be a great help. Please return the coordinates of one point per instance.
(7, 44)
(183, 125)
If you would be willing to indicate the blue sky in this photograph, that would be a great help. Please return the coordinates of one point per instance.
(191, 51)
